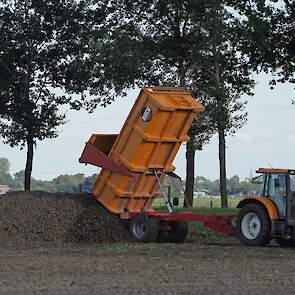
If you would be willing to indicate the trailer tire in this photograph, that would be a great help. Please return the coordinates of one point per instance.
(177, 232)
(253, 224)
(285, 242)
(144, 229)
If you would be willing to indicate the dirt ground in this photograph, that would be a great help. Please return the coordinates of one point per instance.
(219, 266)
(69, 244)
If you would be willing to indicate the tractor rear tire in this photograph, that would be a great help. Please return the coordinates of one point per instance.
(254, 226)
(144, 229)
(176, 233)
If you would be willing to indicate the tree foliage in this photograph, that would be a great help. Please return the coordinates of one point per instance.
(5, 177)
(4, 166)
(235, 186)
(270, 38)
(43, 46)
(280, 55)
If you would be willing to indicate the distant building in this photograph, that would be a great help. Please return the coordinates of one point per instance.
(4, 189)
(200, 194)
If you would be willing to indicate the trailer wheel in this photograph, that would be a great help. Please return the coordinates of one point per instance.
(173, 232)
(144, 229)
(253, 225)
(285, 242)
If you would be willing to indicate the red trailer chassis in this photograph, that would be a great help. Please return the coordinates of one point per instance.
(218, 223)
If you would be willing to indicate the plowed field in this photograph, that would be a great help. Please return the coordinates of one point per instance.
(64, 244)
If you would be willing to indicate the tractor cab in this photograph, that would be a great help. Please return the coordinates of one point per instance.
(272, 213)
(278, 185)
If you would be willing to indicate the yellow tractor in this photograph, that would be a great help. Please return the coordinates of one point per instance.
(272, 213)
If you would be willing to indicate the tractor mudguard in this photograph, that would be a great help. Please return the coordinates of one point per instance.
(266, 203)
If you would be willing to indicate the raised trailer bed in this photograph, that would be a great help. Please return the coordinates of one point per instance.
(135, 162)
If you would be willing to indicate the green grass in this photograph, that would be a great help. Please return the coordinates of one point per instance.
(202, 202)
(203, 206)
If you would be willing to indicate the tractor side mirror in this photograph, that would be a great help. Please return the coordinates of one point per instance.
(175, 201)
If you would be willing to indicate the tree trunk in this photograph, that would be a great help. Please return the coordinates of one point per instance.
(181, 74)
(222, 169)
(190, 174)
(29, 164)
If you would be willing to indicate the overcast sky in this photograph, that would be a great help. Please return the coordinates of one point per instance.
(268, 139)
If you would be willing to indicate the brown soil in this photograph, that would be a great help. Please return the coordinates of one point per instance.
(40, 216)
(39, 254)
(190, 268)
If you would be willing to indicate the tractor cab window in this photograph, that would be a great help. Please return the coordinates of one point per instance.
(259, 182)
(277, 191)
(292, 185)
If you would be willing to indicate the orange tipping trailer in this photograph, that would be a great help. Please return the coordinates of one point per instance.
(135, 162)
(149, 140)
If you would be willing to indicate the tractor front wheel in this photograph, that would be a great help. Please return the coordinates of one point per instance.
(253, 225)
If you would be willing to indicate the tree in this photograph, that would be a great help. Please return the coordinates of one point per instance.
(269, 39)
(226, 76)
(234, 185)
(5, 177)
(185, 43)
(43, 45)
(200, 134)
(67, 183)
(280, 56)
(4, 166)
(19, 180)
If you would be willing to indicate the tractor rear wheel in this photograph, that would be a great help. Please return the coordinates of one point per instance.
(253, 224)
(173, 231)
(144, 229)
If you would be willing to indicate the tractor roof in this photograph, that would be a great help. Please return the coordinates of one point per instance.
(276, 170)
